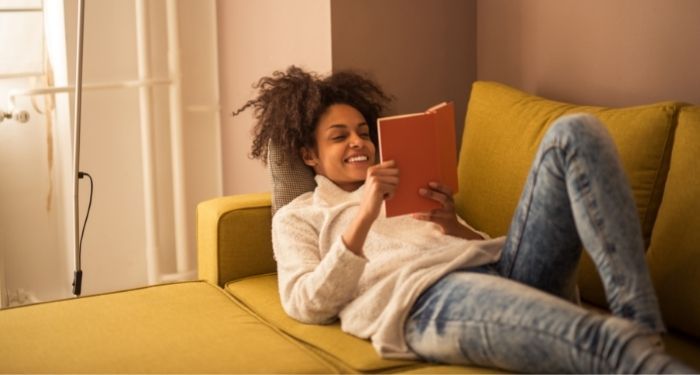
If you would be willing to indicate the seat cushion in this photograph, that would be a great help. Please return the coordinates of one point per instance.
(189, 327)
(674, 254)
(260, 294)
(503, 129)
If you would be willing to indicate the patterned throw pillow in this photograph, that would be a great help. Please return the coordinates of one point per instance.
(290, 176)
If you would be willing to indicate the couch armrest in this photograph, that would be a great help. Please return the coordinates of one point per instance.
(234, 237)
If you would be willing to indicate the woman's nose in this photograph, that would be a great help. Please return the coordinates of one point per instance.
(355, 141)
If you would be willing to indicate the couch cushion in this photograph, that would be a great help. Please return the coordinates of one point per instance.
(178, 328)
(674, 254)
(502, 132)
(260, 294)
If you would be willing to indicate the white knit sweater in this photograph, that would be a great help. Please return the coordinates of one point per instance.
(321, 280)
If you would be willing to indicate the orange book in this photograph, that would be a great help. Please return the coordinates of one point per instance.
(423, 145)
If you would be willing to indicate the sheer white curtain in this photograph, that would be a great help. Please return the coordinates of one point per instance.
(25, 161)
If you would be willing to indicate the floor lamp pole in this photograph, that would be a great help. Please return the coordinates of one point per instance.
(78, 273)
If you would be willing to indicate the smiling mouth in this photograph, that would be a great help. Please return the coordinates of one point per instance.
(357, 159)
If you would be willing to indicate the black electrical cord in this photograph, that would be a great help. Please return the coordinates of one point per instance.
(78, 276)
(82, 233)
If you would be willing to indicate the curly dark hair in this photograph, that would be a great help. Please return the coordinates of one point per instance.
(289, 105)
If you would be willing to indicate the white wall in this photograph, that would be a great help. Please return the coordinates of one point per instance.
(202, 133)
(255, 39)
(28, 218)
(39, 254)
(30, 192)
(115, 244)
(113, 255)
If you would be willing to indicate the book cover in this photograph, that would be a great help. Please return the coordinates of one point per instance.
(423, 145)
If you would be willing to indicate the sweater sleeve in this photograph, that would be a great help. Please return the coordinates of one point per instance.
(313, 289)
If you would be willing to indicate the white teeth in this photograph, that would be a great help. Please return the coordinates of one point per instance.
(356, 159)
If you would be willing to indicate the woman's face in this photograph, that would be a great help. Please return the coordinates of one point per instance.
(343, 149)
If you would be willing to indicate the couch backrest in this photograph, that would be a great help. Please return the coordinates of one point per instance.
(503, 129)
(674, 253)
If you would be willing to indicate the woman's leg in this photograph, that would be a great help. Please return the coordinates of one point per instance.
(487, 320)
(576, 194)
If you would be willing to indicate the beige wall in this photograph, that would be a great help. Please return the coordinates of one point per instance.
(422, 52)
(602, 52)
(255, 39)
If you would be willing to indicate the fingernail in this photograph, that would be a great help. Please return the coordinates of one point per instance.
(423, 191)
(432, 184)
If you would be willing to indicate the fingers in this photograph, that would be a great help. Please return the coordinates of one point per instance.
(441, 196)
(445, 216)
(384, 177)
(387, 168)
(441, 188)
(385, 188)
(382, 180)
(439, 217)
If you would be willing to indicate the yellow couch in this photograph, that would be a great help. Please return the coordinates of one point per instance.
(233, 322)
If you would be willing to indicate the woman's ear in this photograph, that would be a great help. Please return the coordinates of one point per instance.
(309, 157)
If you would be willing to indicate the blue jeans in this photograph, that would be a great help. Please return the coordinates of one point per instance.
(517, 314)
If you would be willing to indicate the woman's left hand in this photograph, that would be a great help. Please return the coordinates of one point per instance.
(445, 216)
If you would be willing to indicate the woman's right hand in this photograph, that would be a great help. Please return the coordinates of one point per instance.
(380, 184)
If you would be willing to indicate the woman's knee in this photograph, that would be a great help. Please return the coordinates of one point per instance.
(579, 129)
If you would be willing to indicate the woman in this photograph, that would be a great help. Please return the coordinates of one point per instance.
(430, 286)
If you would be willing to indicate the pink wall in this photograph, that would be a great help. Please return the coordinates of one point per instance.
(600, 52)
(421, 51)
(255, 39)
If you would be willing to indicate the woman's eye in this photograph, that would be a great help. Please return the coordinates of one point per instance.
(338, 137)
(364, 135)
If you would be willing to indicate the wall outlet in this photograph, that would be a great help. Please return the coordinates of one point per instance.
(21, 297)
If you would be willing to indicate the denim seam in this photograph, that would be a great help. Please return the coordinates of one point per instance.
(514, 258)
(589, 202)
